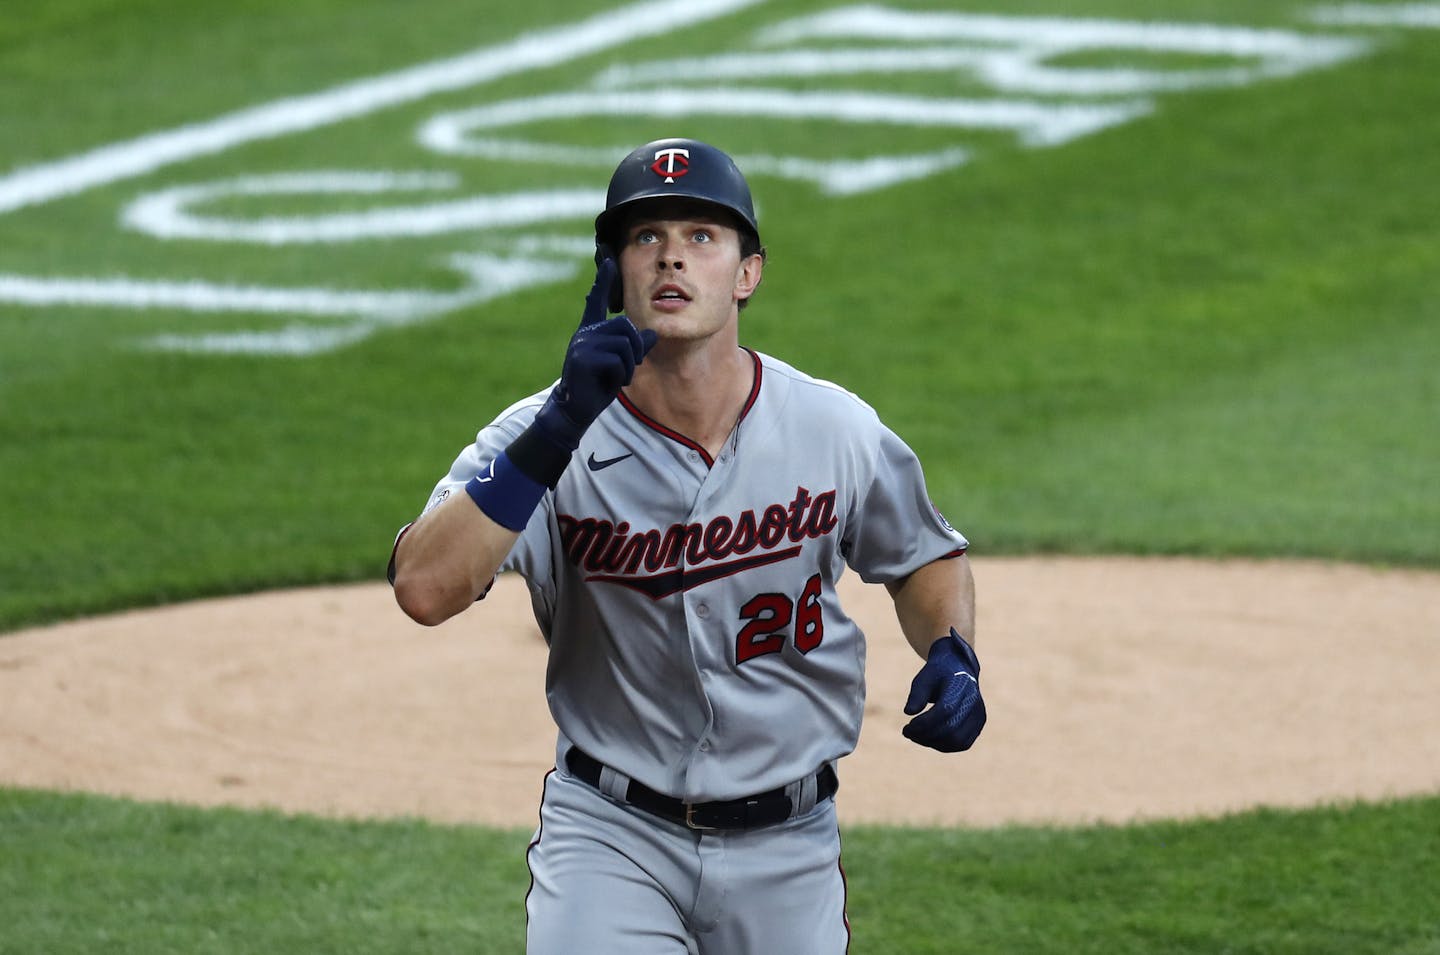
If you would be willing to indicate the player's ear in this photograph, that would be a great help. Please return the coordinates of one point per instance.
(748, 276)
(603, 251)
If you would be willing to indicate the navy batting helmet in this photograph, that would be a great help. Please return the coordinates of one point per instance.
(674, 168)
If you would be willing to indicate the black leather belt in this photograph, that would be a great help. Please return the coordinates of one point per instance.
(748, 812)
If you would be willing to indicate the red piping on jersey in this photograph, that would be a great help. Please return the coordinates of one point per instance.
(674, 435)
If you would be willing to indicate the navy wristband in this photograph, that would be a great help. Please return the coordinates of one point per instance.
(506, 494)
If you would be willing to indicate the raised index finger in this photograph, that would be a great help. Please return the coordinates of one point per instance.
(597, 302)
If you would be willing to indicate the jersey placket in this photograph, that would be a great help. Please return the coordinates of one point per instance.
(706, 618)
(699, 477)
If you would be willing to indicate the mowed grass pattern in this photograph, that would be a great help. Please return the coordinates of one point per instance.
(1212, 330)
(86, 874)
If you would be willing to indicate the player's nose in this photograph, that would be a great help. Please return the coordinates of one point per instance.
(669, 254)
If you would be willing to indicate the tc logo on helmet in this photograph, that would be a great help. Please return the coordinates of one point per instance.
(671, 163)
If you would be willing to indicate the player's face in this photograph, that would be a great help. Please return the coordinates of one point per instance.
(683, 272)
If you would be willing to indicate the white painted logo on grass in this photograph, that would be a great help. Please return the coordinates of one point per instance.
(512, 240)
(1412, 15)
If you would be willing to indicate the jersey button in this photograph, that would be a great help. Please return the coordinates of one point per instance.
(702, 611)
(694, 455)
(704, 746)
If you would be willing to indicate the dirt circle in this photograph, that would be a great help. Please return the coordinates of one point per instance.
(1118, 689)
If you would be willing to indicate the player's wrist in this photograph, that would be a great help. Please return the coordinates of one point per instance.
(558, 423)
(954, 645)
(540, 454)
(506, 494)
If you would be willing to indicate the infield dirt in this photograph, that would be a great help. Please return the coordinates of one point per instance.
(1118, 689)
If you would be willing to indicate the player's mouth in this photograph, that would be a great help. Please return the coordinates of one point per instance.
(669, 297)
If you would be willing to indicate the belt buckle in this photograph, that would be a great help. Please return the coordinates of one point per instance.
(690, 822)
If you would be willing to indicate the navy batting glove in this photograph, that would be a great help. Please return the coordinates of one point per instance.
(950, 679)
(600, 361)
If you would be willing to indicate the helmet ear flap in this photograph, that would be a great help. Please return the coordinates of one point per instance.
(604, 251)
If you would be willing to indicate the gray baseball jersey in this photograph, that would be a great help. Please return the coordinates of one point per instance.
(696, 641)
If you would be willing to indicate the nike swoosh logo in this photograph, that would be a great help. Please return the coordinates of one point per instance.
(595, 465)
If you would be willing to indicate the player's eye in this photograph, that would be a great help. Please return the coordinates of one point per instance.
(702, 235)
(645, 237)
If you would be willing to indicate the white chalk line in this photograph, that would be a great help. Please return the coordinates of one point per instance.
(487, 277)
(145, 154)
(167, 213)
(1019, 69)
(1410, 15)
(200, 296)
(1035, 122)
(1060, 34)
(153, 151)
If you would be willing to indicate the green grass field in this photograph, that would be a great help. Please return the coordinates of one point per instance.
(90, 874)
(1212, 329)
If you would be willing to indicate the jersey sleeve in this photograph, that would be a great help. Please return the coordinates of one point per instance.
(895, 528)
(530, 556)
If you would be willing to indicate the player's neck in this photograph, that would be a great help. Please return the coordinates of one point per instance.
(696, 392)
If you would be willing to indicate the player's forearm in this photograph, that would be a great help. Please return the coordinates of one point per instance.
(933, 599)
(447, 559)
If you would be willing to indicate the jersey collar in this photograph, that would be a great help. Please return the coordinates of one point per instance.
(676, 436)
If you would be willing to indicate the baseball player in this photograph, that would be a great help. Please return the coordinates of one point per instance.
(681, 508)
